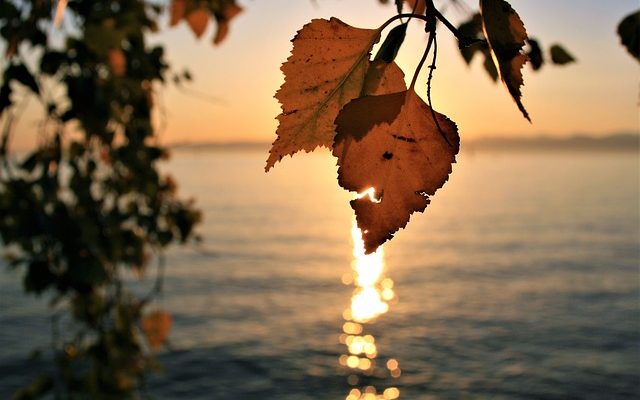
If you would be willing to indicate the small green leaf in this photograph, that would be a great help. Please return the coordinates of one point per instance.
(389, 48)
(629, 32)
(560, 56)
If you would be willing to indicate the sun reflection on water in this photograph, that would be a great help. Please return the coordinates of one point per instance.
(371, 296)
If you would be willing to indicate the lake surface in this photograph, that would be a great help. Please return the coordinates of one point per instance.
(520, 281)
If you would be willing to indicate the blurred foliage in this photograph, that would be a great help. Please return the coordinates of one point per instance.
(629, 32)
(87, 206)
(472, 30)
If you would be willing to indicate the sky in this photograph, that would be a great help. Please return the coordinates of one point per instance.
(597, 95)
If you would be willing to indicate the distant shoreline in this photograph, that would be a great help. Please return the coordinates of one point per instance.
(626, 142)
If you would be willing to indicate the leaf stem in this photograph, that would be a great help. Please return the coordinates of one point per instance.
(431, 68)
(464, 41)
(422, 60)
(448, 24)
(399, 16)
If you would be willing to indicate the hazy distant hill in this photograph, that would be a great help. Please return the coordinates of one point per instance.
(582, 142)
(614, 142)
(259, 146)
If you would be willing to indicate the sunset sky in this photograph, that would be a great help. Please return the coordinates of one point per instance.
(597, 95)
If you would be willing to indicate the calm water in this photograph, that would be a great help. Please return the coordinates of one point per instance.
(519, 282)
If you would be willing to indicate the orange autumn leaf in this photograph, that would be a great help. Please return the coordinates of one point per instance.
(156, 326)
(405, 159)
(325, 71)
(198, 20)
(117, 62)
(506, 37)
(383, 78)
(178, 9)
(229, 12)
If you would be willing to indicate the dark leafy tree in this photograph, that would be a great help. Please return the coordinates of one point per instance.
(88, 205)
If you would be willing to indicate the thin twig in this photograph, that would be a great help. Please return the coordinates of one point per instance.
(422, 60)
(415, 6)
(431, 68)
(202, 96)
(400, 16)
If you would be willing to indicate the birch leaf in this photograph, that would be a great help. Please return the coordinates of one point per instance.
(325, 71)
(404, 160)
(382, 78)
(506, 36)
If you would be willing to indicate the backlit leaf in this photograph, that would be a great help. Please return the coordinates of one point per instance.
(471, 31)
(404, 160)
(560, 56)
(389, 48)
(198, 21)
(535, 54)
(156, 327)
(224, 18)
(506, 36)
(629, 32)
(325, 71)
(382, 78)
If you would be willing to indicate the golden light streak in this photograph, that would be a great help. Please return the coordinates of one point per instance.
(367, 302)
(371, 296)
